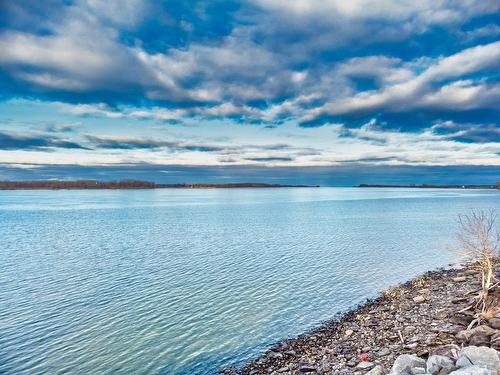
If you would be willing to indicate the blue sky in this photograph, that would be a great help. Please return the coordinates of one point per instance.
(404, 88)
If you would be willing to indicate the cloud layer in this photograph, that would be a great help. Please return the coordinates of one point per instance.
(381, 74)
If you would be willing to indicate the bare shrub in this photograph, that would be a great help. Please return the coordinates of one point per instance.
(479, 237)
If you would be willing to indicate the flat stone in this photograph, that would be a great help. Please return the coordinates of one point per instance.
(383, 352)
(307, 368)
(459, 279)
(365, 365)
(349, 332)
(479, 356)
(284, 369)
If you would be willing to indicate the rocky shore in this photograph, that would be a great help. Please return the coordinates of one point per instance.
(415, 328)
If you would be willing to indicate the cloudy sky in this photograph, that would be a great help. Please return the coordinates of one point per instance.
(269, 85)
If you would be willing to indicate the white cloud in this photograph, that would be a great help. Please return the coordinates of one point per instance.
(421, 91)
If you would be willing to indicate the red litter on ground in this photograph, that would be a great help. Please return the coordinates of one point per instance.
(364, 357)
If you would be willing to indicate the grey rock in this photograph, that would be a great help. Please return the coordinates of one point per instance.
(275, 355)
(479, 356)
(405, 362)
(284, 369)
(440, 364)
(377, 370)
(365, 365)
(472, 370)
(383, 352)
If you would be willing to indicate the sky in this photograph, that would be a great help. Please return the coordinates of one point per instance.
(327, 91)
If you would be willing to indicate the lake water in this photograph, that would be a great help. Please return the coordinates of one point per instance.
(190, 281)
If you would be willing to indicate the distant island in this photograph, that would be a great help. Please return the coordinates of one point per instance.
(427, 186)
(127, 184)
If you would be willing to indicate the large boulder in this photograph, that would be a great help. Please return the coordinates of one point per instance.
(472, 370)
(405, 362)
(479, 356)
(439, 364)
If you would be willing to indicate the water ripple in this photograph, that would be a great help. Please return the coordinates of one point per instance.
(185, 282)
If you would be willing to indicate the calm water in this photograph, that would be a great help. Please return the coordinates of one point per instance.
(189, 281)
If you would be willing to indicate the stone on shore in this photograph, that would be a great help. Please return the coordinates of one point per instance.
(472, 370)
(494, 323)
(365, 365)
(377, 370)
(405, 362)
(479, 356)
(419, 299)
(440, 364)
(466, 334)
(307, 368)
(426, 317)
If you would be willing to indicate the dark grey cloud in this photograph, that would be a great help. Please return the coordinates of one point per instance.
(11, 141)
(61, 128)
(123, 143)
(468, 133)
(270, 158)
(141, 143)
(373, 138)
(375, 159)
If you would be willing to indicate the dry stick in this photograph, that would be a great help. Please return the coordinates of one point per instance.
(467, 308)
(401, 337)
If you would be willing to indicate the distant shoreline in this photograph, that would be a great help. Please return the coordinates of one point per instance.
(130, 185)
(426, 186)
